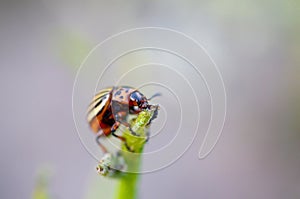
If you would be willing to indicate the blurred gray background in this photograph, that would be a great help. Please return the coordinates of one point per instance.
(254, 43)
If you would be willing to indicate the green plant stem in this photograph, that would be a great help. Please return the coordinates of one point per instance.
(127, 188)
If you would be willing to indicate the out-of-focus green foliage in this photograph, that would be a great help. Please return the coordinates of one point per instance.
(73, 48)
(41, 188)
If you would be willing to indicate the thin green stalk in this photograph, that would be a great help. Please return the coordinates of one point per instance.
(127, 187)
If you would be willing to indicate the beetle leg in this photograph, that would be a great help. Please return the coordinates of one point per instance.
(147, 135)
(154, 116)
(129, 127)
(119, 117)
(113, 132)
(99, 136)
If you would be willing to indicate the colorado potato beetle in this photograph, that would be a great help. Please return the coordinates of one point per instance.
(110, 108)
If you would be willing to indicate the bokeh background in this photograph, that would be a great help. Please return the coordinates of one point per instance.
(256, 45)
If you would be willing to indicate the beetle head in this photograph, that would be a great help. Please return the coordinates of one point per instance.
(137, 102)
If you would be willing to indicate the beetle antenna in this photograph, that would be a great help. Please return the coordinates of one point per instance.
(155, 95)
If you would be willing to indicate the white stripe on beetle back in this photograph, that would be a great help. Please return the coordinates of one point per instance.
(96, 110)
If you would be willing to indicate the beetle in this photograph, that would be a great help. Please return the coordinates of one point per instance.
(110, 108)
